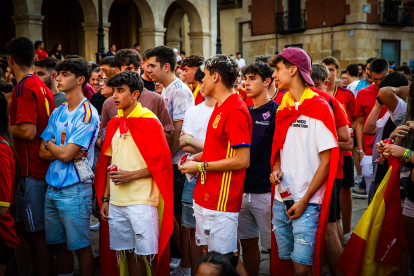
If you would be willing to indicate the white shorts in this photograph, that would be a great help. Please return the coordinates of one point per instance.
(216, 229)
(367, 170)
(408, 209)
(256, 218)
(134, 227)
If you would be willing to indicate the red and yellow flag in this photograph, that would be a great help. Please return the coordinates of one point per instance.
(198, 98)
(148, 135)
(376, 243)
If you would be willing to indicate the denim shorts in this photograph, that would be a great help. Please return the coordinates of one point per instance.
(68, 215)
(30, 203)
(296, 238)
(188, 219)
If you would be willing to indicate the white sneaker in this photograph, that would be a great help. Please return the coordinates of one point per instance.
(174, 263)
(179, 271)
(346, 238)
(95, 227)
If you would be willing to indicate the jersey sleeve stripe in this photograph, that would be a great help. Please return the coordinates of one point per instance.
(4, 204)
(240, 146)
(90, 112)
(84, 115)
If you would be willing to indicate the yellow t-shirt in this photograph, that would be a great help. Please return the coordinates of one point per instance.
(126, 156)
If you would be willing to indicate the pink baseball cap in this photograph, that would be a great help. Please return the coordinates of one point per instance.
(300, 59)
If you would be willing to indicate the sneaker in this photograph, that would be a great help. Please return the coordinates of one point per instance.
(359, 193)
(346, 238)
(95, 227)
(174, 263)
(179, 271)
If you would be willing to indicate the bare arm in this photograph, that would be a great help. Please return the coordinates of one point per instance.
(370, 127)
(44, 153)
(36, 57)
(343, 133)
(317, 181)
(358, 132)
(168, 137)
(64, 154)
(26, 131)
(389, 96)
(346, 146)
(122, 177)
(175, 137)
(241, 160)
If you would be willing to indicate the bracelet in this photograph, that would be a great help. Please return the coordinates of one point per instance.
(105, 199)
(205, 163)
(202, 172)
(405, 153)
(188, 140)
(407, 159)
(46, 144)
(199, 167)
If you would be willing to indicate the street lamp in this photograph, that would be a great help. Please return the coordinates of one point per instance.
(218, 44)
(101, 47)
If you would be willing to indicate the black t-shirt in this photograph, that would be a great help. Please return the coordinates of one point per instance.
(148, 84)
(257, 174)
(97, 101)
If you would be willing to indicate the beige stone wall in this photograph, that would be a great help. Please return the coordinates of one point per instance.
(229, 28)
(317, 42)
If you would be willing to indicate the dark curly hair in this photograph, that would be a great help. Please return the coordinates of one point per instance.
(127, 57)
(77, 66)
(225, 66)
(258, 68)
(130, 79)
(49, 63)
(107, 61)
(221, 263)
(199, 75)
(192, 61)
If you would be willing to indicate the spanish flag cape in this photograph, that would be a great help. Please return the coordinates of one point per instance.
(198, 98)
(314, 106)
(377, 241)
(149, 137)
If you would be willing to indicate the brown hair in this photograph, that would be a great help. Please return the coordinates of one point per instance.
(276, 59)
(109, 72)
(192, 61)
(330, 61)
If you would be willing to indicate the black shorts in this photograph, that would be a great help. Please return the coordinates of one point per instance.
(6, 252)
(335, 207)
(178, 187)
(348, 169)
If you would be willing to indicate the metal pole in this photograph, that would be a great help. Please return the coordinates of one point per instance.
(276, 26)
(218, 44)
(101, 47)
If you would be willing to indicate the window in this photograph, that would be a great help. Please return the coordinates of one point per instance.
(391, 50)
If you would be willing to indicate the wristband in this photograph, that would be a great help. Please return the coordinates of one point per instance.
(199, 167)
(405, 153)
(188, 140)
(46, 144)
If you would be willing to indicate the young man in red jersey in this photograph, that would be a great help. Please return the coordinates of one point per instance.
(305, 155)
(347, 99)
(32, 104)
(190, 65)
(222, 165)
(365, 101)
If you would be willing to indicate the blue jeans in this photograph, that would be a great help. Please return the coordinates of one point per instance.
(296, 238)
(188, 219)
(67, 215)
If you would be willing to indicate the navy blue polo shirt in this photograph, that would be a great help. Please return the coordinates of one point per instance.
(258, 173)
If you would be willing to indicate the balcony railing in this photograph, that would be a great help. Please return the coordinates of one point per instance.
(396, 13)
(291, 21)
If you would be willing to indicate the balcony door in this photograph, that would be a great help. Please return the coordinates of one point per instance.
(294, 14)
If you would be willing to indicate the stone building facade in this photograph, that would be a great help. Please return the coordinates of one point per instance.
(74, 24)
(350, 30)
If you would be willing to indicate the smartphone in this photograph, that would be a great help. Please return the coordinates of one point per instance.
(183, 158)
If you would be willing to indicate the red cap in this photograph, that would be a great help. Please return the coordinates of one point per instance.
(300, 59)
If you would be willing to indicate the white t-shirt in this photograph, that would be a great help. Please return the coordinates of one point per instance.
(352, 86)
(241, 62)
(196, 120)
(300, 156)
(179, 99)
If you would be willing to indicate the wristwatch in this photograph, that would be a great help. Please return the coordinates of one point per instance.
(359, 151)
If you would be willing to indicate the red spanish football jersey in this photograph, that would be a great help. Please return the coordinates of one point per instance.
(7, 179)
(347, 99)
(278, 96)
(229, 127)
(32, 102)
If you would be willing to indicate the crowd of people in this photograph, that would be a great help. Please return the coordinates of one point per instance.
(190, 161)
